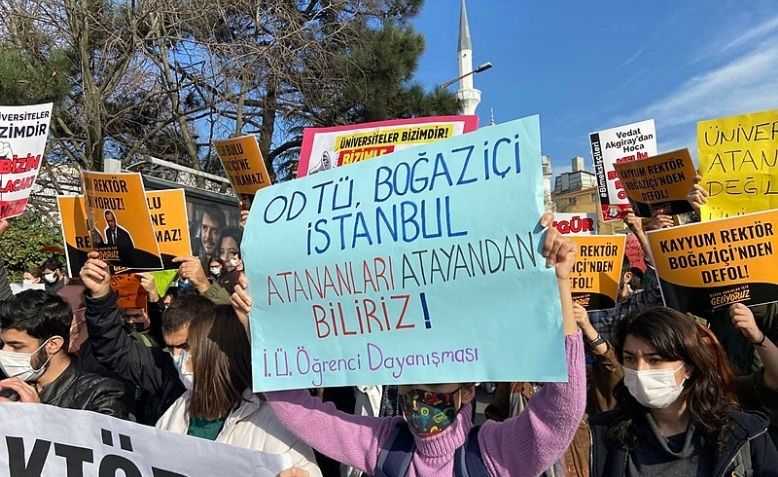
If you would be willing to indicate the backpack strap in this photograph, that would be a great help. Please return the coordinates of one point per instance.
(743, 465)
(394, 460)
(468, 460)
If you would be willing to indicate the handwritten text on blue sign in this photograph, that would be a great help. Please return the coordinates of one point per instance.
(419, 267)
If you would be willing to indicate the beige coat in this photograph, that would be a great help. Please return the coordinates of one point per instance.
(252, 426)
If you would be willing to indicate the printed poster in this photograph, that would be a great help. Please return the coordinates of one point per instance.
(121, 227)
(597, 272)
(659, 182)
(23, 134)
(328, 148)
(169, 219)
(171, 224)
(710, 265)
(49, 441)
(244, 165)
(739, 164)
(75, 232)
(620, 144)
(378, 273)
(130, 293)
(635, 253)
(575, 223)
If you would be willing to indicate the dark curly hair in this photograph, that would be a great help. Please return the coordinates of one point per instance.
(40, 314)
(709, 390)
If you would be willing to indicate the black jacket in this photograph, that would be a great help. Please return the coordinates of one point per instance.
(609, 458)
(76, 389)
(151, 369)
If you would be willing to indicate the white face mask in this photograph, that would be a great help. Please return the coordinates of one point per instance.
(655, 389)
(27, 282)
(216, 271)
(50, 277)
(186, 376)
(19, 365)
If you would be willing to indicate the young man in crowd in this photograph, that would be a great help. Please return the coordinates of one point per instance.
(53, 277)
(35, 360)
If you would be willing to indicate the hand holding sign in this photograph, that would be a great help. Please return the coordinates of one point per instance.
(743, 319)
(697, 196)
(148, 284)
(191, 269)
(241, 301)
(96, 276)
(4, 224)
(558, 250)
(659, 220)
(633, 223)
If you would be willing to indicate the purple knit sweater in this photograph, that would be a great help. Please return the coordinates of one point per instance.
(525, 445)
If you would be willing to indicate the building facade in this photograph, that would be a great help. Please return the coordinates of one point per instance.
(576, 191)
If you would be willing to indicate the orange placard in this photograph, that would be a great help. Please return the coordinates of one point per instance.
(709, 265)
(75, 234)
(662, 181)
(171, 225)
(121, 225)
(242, 160)
(130, 294)
(597, 271)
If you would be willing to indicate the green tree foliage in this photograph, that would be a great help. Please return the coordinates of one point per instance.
(30, 80)
(379, 70)
(165, 78)
(27, 243)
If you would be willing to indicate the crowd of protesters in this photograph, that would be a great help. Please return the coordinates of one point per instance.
(650, 391)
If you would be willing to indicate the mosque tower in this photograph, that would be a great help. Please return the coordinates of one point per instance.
(469, 97)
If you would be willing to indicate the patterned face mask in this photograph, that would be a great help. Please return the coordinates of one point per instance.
(429, 413)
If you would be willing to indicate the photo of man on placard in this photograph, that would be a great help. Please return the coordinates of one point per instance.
(116, 236)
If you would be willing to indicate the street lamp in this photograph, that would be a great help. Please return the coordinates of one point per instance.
(480, 69)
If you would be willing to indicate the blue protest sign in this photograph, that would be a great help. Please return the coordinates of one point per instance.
(422, 266)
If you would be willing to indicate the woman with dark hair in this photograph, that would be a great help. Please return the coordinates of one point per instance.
(676, 411)
(220, 405)
(229, 254)
(215, 269)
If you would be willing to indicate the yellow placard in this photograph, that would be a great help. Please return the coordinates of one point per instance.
(242, 160)
(122, 230)
(595, 277)
(739, 164)
(660, 181)
(171, 225)
(708, 265)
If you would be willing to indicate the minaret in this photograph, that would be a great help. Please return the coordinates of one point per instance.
(469, 97)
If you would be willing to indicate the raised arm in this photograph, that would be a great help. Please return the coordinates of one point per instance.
(530, 443)
(353, 440)
(743, 319)
(151, 369)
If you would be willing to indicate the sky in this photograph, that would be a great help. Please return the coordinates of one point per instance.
(586, 66)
